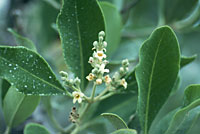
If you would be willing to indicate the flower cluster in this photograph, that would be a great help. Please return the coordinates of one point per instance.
(73, 84)
(98, 61)
(117, 78)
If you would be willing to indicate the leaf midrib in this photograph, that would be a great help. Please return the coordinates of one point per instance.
(80, 44)
(33, 74)
(150, 83)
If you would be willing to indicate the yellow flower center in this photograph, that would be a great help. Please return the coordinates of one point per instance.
(77, 96)
(100, 54)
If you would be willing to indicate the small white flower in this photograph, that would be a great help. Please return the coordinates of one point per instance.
(98, 81)
(123, 83)
(91, 60)
(90, 77)
(100, 55)
(77, 96)
(107, 79)
(102, 69)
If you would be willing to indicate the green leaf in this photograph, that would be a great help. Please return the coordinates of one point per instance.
(125, 131)
(113, 26)
(163, 124)
(5, 85)
(22, 41)
(95, 128)
(184, 118)
(159, 63)
(79, 23)
(188, 114)
(176, 85)
(34, 128)
(17, 107)
(28, 72)
(192, 93)
(115, 120)
(178, 9)
(187, 60)
(117, 103)
(131, 81)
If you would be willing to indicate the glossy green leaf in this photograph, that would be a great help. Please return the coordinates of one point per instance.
(22, 41)
(192, 93)
(159, 63)
(17, 107)
(125, 131)
(28, 72)
(113, 26)
(79, 23)
(34, 128)
(115, 120)
(187, 60)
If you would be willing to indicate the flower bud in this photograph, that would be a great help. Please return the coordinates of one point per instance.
(104, 44)
(102, 33)
(98, 81)
(95, 44)
(125, 62)
(77, 81)
(64, 74)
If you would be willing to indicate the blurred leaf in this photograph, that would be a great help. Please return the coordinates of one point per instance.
(185, 117)
(115, 120)
(17, 107)
(143, 15)
(95, 128)
(113, 26)
(191, 19)
(116, 104)
(128, 49)
(125, 131)
(28, 72)
(187, 60)
(163, 124)
(156, 73)
(34, 128)
(79, 23)
(178, 9)
(5, 85)
(36, 19)
(22, 41)
(192, 93)
(53, 3)
(131, 81)
(176, 85)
